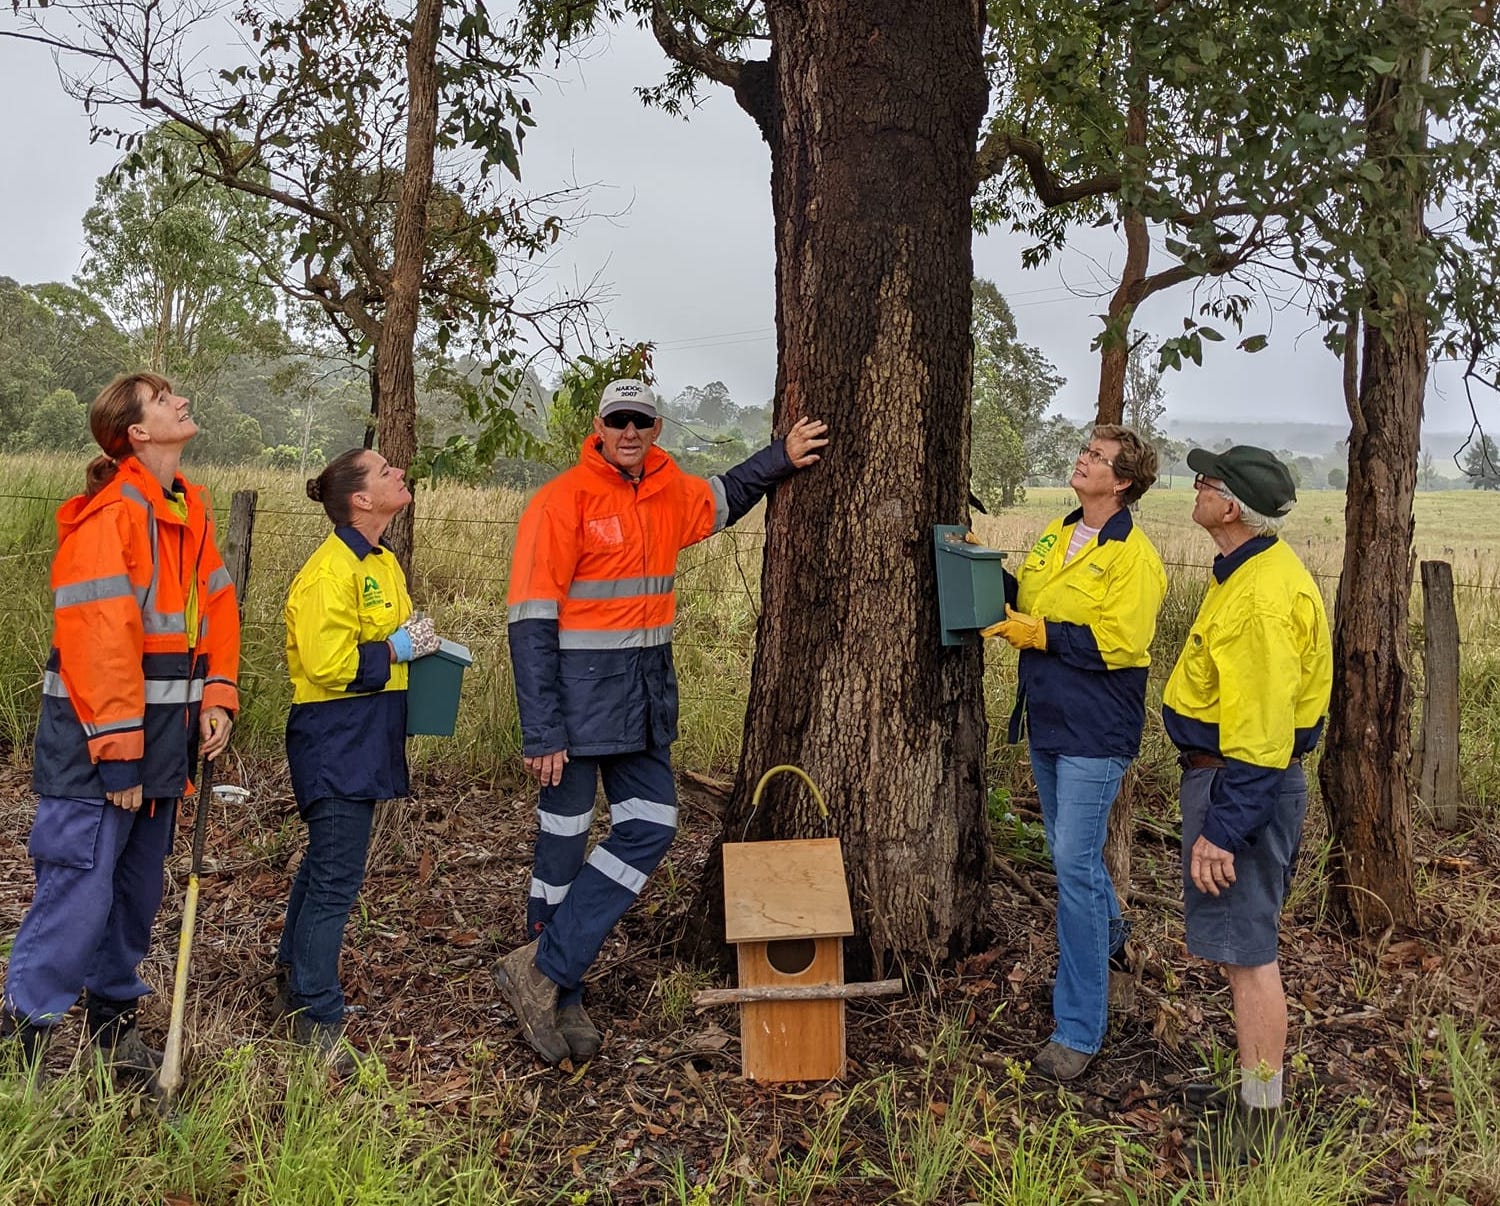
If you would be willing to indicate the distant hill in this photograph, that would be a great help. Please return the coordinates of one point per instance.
(1306, 439)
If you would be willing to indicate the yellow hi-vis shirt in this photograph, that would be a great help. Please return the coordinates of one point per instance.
(1085, 694)
(339, 606)
(1252, 682)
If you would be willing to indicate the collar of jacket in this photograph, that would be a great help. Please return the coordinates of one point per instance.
(1226, 563)
(1116, 527)
(592, 456)
(356, 541)
(129, 472)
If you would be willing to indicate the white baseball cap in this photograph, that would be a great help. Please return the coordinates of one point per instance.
(627, 394)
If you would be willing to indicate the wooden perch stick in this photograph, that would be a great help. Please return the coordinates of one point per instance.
(796, 992)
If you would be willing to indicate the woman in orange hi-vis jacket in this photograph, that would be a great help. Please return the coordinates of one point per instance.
(140, 680)
(590, 625)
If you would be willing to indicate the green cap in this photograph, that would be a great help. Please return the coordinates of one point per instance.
(1253, 475)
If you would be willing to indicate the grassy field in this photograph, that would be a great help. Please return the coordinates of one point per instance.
(1397, 1092)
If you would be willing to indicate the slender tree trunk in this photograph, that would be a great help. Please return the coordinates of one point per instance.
(396, 422)
(873, 118)
(1365, 772)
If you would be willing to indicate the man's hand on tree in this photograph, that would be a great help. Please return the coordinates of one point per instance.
(803, 442)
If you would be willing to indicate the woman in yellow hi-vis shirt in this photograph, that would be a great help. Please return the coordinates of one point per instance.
(1086, 599)
(349, 634)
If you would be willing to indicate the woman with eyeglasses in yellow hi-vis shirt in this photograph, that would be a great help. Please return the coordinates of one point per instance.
(1082, 611)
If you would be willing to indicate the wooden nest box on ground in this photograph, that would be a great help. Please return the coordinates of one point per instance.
(786, 909)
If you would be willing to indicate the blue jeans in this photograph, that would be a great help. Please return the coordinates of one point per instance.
(1076, 795)
(332, 871)
(98, 889)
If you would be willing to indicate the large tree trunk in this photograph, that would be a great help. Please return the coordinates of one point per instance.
(1365, 772)
(873, 115)
(396, 423)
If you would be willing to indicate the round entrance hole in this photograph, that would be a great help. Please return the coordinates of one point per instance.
(791, 955)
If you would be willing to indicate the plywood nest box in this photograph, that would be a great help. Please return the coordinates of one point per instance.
(786, 910)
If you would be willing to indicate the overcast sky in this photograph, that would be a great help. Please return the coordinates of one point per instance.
(686, 257)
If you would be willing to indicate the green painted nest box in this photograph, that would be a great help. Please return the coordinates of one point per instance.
(433, 684)
(970, 582)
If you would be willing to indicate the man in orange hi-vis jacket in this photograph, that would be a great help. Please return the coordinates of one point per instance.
(591, 609)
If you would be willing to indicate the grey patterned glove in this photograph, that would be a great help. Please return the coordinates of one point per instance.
(424, 637)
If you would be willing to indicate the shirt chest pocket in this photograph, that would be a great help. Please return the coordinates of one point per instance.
(1198, 670)
(1080, 594)
(603, 534)
(377, 620)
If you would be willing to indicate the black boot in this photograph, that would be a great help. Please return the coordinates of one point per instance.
(30, 1041)
(111, 1026)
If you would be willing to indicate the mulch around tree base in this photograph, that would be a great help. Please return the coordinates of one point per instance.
(445, 897)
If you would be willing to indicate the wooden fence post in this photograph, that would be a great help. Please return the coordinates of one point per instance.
(237, 542)
(1438, 751)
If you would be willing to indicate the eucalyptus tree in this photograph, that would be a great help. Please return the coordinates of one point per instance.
(379, 130)
(870, 111)
(175, 260)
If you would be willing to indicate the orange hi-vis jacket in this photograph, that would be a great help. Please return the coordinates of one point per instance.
(591, 598)
(125, 679)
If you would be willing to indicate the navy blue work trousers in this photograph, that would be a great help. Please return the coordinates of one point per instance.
(575, 901)
(98, 888)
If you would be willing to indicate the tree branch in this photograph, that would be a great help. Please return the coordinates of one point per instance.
(748, 79)
(1001, 145)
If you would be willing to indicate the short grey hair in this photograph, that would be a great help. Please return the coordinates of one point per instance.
(1261, 525)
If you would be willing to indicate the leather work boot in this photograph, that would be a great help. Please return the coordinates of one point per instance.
(281, 1002)
(29, 1043)
(1059, 1063)
(533, 999)
(578, 1030)
(1239, 1135)
(326, 1041)
(1124, 976)
(112, 1027)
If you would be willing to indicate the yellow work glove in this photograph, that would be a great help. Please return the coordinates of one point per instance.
(1021, 630)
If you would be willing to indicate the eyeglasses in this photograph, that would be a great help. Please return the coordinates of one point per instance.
(1202, 481)
(621, 419)
(1094, 456)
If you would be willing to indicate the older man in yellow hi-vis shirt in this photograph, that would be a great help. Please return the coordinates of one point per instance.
(1245, 702)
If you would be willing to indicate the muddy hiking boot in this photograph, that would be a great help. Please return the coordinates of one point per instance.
(27, 1043)
(1059, 1063)
(1239, 1135)
(533, 999)
(578, 1031)
(282, 1004)
(326, 1041)
(112, 1029)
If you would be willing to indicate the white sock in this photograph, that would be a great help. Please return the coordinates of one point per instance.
(1260, 1092)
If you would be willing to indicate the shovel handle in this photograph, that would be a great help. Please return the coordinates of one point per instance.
(169, 1079)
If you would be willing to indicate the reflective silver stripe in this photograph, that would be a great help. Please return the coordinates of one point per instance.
(116, 586)
(622, 873)
(620, 588)
(532, 609)
(114, 726)
(156, 622)
(563, 826)
(611, 638)
(53, 685)
(636, 809)
(551, 893)
(173, 691)
(721, 504)
(134, 495)
(218, 580)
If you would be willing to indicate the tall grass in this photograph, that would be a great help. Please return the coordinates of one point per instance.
(464, 542)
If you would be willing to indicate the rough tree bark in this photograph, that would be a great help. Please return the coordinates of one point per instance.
(1365, 771)
(872, 111)
(396, 418)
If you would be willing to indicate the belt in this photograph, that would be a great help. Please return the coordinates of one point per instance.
(1196, 760)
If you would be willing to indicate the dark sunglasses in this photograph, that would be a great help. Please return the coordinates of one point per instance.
(622, 419)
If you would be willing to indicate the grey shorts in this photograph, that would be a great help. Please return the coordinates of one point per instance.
(1239, 926)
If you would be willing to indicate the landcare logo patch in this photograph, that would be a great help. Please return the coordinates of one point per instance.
(1043, 546)
(372, 593)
